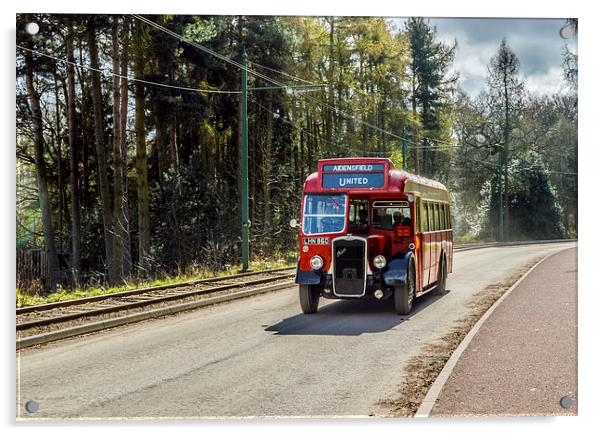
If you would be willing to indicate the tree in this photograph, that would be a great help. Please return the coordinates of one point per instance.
(570, 58)
(119, 215)
(40, 164)
(506, 92)
(432, 86)
(101, 151)
(144, 241)
(534, 212)
(73, 159)
(123, 128)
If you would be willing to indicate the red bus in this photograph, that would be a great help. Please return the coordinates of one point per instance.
(369, 230)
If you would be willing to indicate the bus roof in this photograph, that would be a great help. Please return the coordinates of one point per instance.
(371, 175)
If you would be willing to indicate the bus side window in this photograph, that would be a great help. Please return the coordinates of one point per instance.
(423, 217)
(449, 216)
(418, 217)
(445, 216)
(431, 217)
(436, 208)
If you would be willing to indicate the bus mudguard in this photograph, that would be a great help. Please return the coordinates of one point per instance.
(397, 270)
(307, 276)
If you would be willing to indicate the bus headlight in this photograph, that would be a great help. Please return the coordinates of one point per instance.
(316, 262)
(379, 261)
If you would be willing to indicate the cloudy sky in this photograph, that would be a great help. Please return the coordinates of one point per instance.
(536, 42)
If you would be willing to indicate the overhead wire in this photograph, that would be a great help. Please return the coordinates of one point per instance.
(286, 74)
(133, 79)
(496, 167)
(289, 122)
(225, 58)
(151, 23)
(264, 77)
(207, 50)
(237, 64)
(148, 82)
(378, 153)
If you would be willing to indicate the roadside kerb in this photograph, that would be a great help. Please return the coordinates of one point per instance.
(432, 395)
(132, 318)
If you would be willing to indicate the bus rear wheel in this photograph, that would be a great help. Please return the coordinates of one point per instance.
(404, 294)
(309, 297)
(442, 282)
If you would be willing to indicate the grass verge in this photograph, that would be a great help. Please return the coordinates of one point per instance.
(24, 299)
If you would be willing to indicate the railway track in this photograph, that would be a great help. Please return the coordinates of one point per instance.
(48, 322)
(38, 316)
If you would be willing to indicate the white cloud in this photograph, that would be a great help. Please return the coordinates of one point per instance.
(550, 82)
(536, 42)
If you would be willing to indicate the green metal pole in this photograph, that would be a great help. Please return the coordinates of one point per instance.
(403, 153)
(501, 200)
(244, 165)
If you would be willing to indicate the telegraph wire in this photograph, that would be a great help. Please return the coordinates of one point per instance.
(377, 153)
(213, 91)
(262, 76)
(289, 122)
(286, 74)
(409, 143)
(133, 79)
(206, 49)
(495, 167)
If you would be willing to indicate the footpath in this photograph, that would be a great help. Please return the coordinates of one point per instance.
(523, 360)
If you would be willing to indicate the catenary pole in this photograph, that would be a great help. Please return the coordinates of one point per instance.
(244, 165)
(500, 196)
(404, 153)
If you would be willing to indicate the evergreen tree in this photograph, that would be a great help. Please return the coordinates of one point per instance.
(432, 86)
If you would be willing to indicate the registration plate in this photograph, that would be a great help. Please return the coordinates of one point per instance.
(316, 241)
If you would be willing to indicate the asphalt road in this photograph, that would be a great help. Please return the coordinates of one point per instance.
(254, 357)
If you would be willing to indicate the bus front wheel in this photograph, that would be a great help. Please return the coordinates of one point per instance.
(404, 294)
(309, 297)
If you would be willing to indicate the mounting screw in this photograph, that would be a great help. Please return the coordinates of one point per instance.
(566, 32)
(32, 28)
(32, 406)
(566, 402)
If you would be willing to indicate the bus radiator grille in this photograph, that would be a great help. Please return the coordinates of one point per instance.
(349, 267)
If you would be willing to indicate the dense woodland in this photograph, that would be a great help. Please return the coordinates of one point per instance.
(128, 136)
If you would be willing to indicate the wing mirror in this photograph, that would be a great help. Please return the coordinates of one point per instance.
(294, 224)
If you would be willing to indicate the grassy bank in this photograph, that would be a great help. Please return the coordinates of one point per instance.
(24, 299)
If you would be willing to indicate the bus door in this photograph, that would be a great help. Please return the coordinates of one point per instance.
(417, 233)
(425, 245)
(432, 241)
(436, 250)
